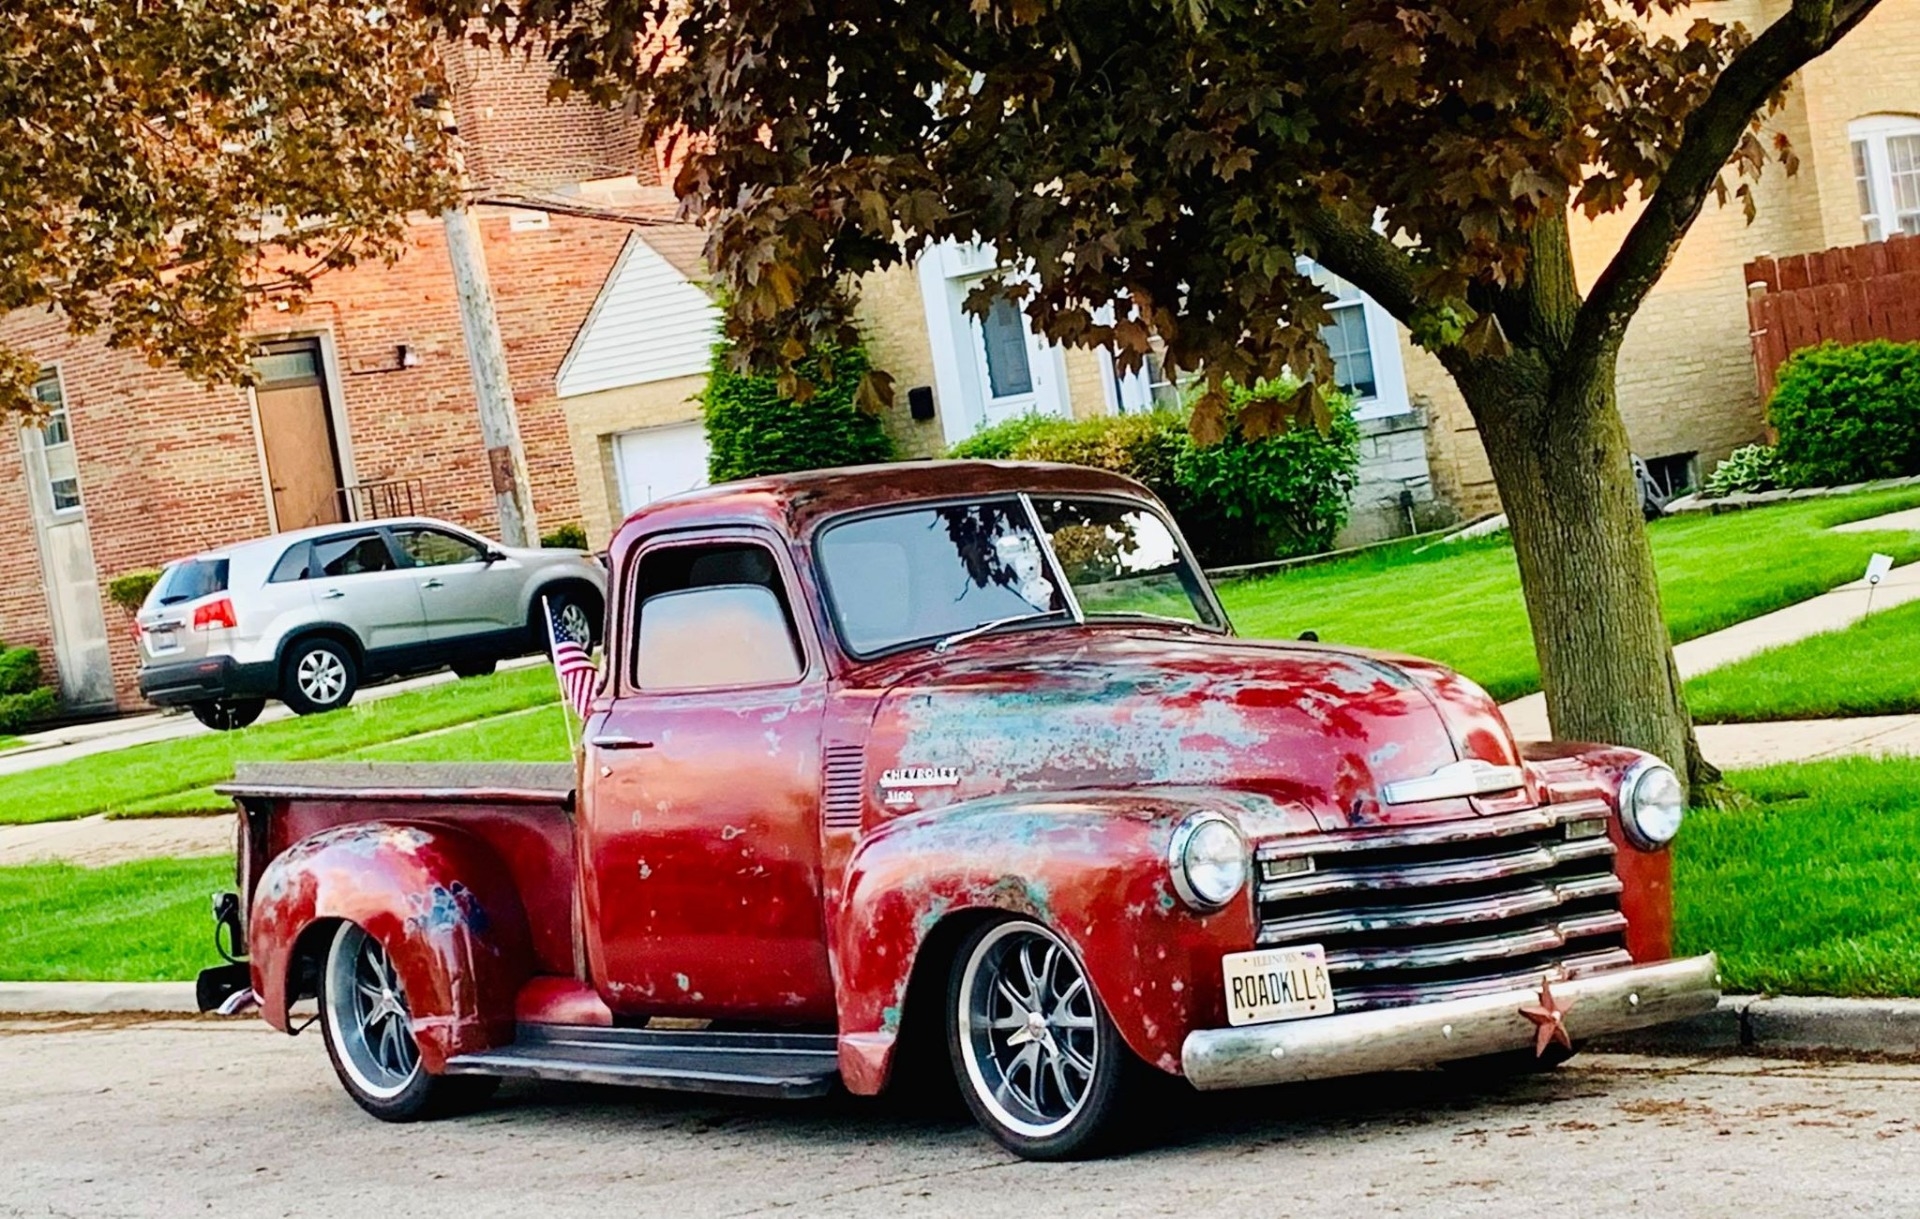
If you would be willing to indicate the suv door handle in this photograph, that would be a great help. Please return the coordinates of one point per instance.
(614, 740)
(333, 594)
(433, 583)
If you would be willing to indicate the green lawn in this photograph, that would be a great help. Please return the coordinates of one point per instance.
(1812, 891)
(1460, 604)
(1870, 668)
(134, 922)
(9, 742)
(173, 776)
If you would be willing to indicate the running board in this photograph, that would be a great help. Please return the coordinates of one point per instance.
(787, 1065)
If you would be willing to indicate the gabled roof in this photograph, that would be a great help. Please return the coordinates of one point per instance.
(651, 321)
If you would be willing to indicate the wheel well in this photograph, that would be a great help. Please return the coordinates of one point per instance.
(920, 1057)
(308, 958)
(338, 634)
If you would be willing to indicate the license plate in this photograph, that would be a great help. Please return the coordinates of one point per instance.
(162, 641)
(1277, 984)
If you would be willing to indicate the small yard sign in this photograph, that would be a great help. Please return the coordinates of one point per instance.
(1878, 566)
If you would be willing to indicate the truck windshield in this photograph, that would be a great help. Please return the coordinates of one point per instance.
(925, 574)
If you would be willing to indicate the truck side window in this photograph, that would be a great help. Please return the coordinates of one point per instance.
(713, 616)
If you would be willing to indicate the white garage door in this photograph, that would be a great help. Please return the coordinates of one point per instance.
(657, 462)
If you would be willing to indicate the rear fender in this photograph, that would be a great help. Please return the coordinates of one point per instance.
(1091, 866)
(441, 904)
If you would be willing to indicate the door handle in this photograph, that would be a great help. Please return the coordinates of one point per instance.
(433, 583)
(333, 594)
(614, 740)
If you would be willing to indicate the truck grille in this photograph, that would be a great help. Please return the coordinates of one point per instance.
(1444, 911)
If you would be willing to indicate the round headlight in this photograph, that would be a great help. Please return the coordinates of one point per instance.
(1652, 805)
(1208, 861)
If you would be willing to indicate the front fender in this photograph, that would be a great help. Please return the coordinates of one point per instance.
(1092, 866)
(441, 904)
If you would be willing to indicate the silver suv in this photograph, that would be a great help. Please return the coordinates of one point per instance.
(307, 616)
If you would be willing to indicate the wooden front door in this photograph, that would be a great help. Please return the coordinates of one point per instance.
(296, 429)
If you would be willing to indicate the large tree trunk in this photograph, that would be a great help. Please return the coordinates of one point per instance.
(1559, 453)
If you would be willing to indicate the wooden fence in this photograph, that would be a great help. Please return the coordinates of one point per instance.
(1850, 295)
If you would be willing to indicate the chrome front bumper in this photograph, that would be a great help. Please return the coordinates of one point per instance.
(1424, 1034)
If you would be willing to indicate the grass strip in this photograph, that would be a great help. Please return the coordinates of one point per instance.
(131, 922)
(1811, 890)
(143, 776)
(1869, 668)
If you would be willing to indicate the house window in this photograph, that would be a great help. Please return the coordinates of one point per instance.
(1672, 474)
(1886, 173)
(56, 446)
(1346, 336)
(1003, 340)
(1151, 388)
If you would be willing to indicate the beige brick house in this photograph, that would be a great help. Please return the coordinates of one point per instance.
(1687, 381)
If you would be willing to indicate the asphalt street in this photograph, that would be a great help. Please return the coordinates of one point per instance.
(113, 1118)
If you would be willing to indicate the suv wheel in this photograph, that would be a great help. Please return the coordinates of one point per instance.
(226, 714)
(320, 676)
(1040, 1064)
(575, 616)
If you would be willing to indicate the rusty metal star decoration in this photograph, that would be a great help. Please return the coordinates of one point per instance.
(1549, 1021)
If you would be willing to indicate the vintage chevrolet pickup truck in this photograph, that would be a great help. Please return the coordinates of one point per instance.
(961, 757)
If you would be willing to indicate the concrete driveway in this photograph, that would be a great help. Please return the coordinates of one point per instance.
(195, 1118)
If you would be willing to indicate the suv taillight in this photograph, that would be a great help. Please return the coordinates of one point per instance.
(213, 614)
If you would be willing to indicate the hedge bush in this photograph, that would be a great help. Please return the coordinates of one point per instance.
(129, 592)
(753, 429)
(23, 697)
(569, 536)
(1847, 414)
(1240, 501)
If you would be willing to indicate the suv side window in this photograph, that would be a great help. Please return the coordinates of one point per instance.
(713, 616)
(292, 565)
(351, 555)
(436, 548)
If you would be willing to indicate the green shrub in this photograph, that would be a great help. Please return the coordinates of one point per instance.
(1848, 414)
(1003, 440)
(1240, 501)
(1746, 469)
(753, 429)
(129, 592)
(569, 536)
(23, 699)
(1275, 497)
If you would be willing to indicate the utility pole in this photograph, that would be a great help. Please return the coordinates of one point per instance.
(487, 359)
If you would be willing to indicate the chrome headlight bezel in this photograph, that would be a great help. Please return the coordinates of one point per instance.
(1633, 786)
(1197, 831)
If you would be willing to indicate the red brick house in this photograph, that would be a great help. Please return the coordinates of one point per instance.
(365, 401)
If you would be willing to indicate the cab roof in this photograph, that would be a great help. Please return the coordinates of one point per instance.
(797, 503)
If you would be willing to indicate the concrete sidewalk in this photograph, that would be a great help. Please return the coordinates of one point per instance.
(96, 842)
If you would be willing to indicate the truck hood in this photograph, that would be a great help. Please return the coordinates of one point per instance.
(1307, 732)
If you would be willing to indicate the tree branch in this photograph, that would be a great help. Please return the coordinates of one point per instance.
(1364, 257)
(1707, 140)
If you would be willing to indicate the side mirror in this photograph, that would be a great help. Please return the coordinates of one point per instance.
(495, 556)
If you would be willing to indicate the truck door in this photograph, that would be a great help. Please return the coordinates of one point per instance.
(701, 854)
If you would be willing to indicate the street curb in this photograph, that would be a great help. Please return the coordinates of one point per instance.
(97, 998)
(1787, 1025)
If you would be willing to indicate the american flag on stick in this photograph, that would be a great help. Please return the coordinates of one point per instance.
(572, 666)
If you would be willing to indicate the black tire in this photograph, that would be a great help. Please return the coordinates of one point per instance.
(227, 714)
(577, 604)
(1077, 1069)
(473, 668)
(388, 1081)
(319, 675)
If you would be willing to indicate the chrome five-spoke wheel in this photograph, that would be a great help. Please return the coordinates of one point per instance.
(369, 1035)
(368, 1025)
(1037, 1057)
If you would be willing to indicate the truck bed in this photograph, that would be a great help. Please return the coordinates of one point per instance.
(521, 811)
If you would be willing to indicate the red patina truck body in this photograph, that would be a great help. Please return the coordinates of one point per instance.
(962, 756)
